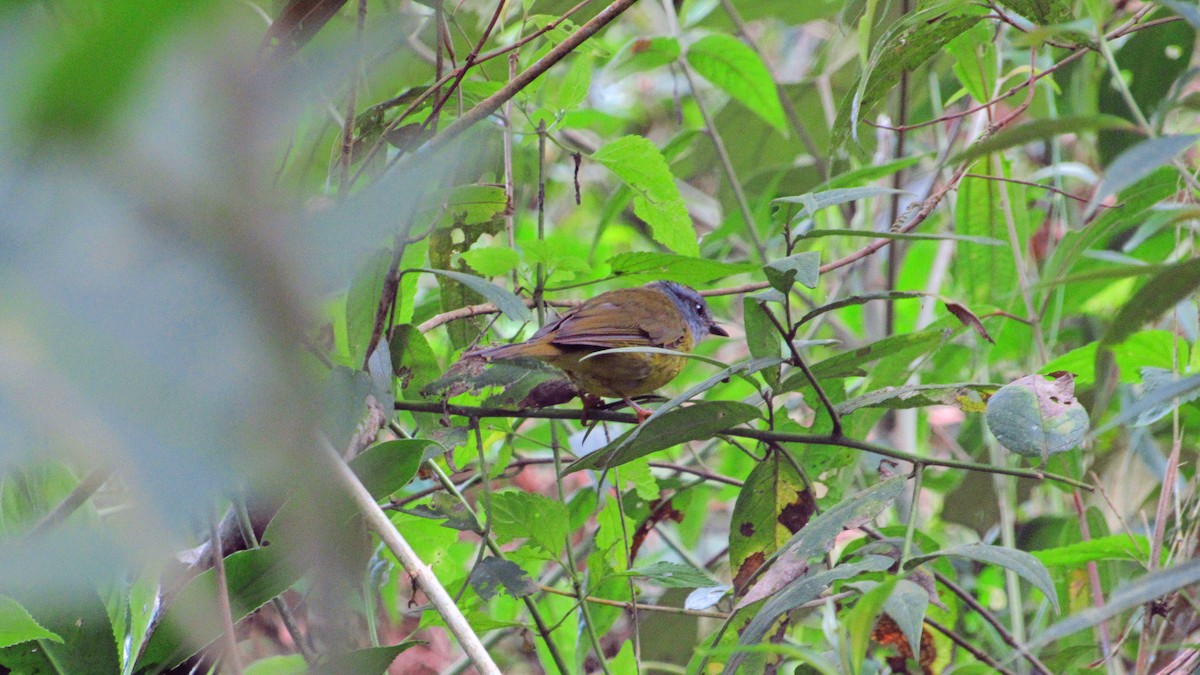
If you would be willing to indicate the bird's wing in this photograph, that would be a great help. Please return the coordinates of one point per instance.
(631, 319)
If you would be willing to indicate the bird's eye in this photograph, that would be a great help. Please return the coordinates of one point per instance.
(699, 308)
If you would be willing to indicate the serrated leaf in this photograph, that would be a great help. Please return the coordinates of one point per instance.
(734, 67)
(640, 165)
(1025, 565)
(701, 420)
(17, 625)
(1036, 417)
(802, 267)
(523, 515)
(492, 574)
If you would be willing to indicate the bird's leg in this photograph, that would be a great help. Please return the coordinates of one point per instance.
(642, 413)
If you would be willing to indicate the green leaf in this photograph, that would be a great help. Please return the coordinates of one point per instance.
(290, 664)
(861, 619)
(640, 165)
(506, 302)
(646, 266)
(762, 337)
(1036, 417)
(702, 420)
(386, 467)
(521, 515)
(1147, 348)
(903, 48)
(906, 604)
(492, 574)
(804, 267)
(1113, 547)
(492, 261)
(1043, 12)
(192, 620)
(904, 236)
(1149, 587)
(966, 395)
(17, 625)
(642, 54)
(671, 575)
(772, 505)
(1025, 565)
(815, 201)
(413, 360)
(362, 302)
(1037, 130)
(797, 593)
(871, 172)
(734, 67)
(818, 536)
(367, 661)
(741, 370)
(1138, 162)
(1162, 395)
(852, 300)
(849, 363)
(1162, 292)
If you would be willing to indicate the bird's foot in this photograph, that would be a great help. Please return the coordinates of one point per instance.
(642, 413)
(590, 402)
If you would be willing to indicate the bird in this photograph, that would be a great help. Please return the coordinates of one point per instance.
(660, 314)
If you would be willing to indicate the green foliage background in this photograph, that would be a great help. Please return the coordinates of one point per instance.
(237, 237)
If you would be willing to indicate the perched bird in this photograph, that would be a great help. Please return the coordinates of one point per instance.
(660, 314)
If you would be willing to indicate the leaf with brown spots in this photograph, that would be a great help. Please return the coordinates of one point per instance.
(887, 633)
(772, 506)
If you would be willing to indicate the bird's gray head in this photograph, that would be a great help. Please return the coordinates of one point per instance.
(693, 307)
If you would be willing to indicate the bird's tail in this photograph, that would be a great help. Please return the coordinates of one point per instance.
(530, 349)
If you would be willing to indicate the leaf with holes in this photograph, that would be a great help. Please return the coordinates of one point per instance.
(1036, 417)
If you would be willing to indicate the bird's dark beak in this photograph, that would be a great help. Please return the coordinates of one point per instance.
(714, 329)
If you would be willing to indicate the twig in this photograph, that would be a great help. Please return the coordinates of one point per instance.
(351, 96)
(87, 487)
(492, 103)
(966, 644)
(490, 542)
(710, 126)
(756, 434)
(377, 521)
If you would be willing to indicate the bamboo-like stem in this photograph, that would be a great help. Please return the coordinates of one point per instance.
(379, 523)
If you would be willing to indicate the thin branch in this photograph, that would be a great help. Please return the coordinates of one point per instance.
(1051, 188)
(232, 659)
(492, 103)
(723, 158)
(756, 434)
(378, 521)
(87, 487)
